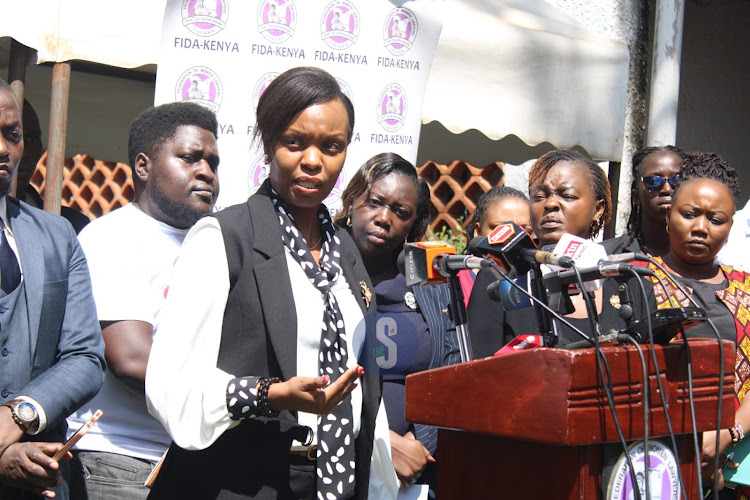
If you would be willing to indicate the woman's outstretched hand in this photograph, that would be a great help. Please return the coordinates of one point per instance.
(313, 394)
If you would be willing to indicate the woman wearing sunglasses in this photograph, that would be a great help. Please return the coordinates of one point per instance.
(655, 173)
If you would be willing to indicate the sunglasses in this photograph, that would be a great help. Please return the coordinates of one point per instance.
(656, 182)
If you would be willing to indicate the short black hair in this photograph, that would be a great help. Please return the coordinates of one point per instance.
(288, 95)
(494, 194)
(700, 165)
(375, 168)
(154, 126)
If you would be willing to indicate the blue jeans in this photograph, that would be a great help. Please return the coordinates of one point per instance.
(108, 476)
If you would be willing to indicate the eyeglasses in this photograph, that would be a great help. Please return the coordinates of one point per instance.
(656, 182)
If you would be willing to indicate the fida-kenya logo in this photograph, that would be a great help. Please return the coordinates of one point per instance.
(339, 24)
(400, 31)
(204, 17)
(200, 85)
(392, 107)
(277, 20)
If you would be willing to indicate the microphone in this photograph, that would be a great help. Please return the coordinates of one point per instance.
(602, 270)
(627, 257)
(451, 264)
(584, 253)
(549, 258)
(509, 295)
(432, 261)
(505, 247)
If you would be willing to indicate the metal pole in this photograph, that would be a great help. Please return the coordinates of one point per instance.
(19, 57)
(665, 72)
(58, 124)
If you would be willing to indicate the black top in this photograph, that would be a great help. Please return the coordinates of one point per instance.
(705, 295)
(491, 326)
(412, 345)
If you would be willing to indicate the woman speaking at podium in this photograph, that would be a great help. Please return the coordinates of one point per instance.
(698, 224)
(569, 193)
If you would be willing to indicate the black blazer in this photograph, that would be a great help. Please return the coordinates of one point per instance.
(259, 338)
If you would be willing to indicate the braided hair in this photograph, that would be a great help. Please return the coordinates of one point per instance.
(699, 165)
(544, 164)
(635, 231)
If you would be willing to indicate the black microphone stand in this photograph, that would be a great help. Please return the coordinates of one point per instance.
(549, 336)
(457, 312)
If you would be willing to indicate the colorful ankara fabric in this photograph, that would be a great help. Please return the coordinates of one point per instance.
(736, 297)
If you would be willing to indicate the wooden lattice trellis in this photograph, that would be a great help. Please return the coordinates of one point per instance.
(91, 186)
(97, 187)
(456, 188)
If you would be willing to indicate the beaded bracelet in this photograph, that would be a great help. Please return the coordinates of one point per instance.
(740, 431)
(264, 410)
(733, 434)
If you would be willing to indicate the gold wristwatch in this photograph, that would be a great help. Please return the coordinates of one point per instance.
(24, 413)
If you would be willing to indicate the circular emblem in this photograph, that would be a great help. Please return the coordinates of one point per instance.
(204, 17)
(399, 31)
(390, 345)
(333, 200)
(392, 107)
(200, 85)
(257, 174)
(277, 20)
(339, 24)
(261, 85)
(663, 481)
(346, 89)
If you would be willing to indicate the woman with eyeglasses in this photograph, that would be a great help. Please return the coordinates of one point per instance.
(697, 226)
(655, 173)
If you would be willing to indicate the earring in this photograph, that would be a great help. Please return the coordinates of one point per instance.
(349, 220)
(266, 160)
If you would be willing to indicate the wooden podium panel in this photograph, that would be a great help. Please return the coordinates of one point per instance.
(541, 413)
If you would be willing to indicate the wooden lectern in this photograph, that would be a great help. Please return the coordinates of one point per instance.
(536, 423)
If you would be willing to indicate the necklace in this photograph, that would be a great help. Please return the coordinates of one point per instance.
(318, 243)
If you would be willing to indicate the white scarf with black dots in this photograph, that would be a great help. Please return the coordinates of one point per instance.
(335, 460)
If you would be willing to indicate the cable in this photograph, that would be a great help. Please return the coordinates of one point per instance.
(597, 350)
(652, 349)
(631, 340)
(547, 308)
(603, 366)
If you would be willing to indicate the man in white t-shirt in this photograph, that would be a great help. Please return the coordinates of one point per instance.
(735, 251)
(131, 251)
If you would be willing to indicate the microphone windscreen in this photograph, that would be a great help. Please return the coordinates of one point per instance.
(400, 260)
(474, 248)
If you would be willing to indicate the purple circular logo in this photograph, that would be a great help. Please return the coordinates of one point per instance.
(392, 107)
(339, 24)
(277, 20)
(204, 17)
(662, 475)
(257, 174)
(400, 31)
(200, 85)
(333, 200)
(261, 85)
(346, 89)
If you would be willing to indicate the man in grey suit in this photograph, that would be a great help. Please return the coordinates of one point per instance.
(50, 342)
